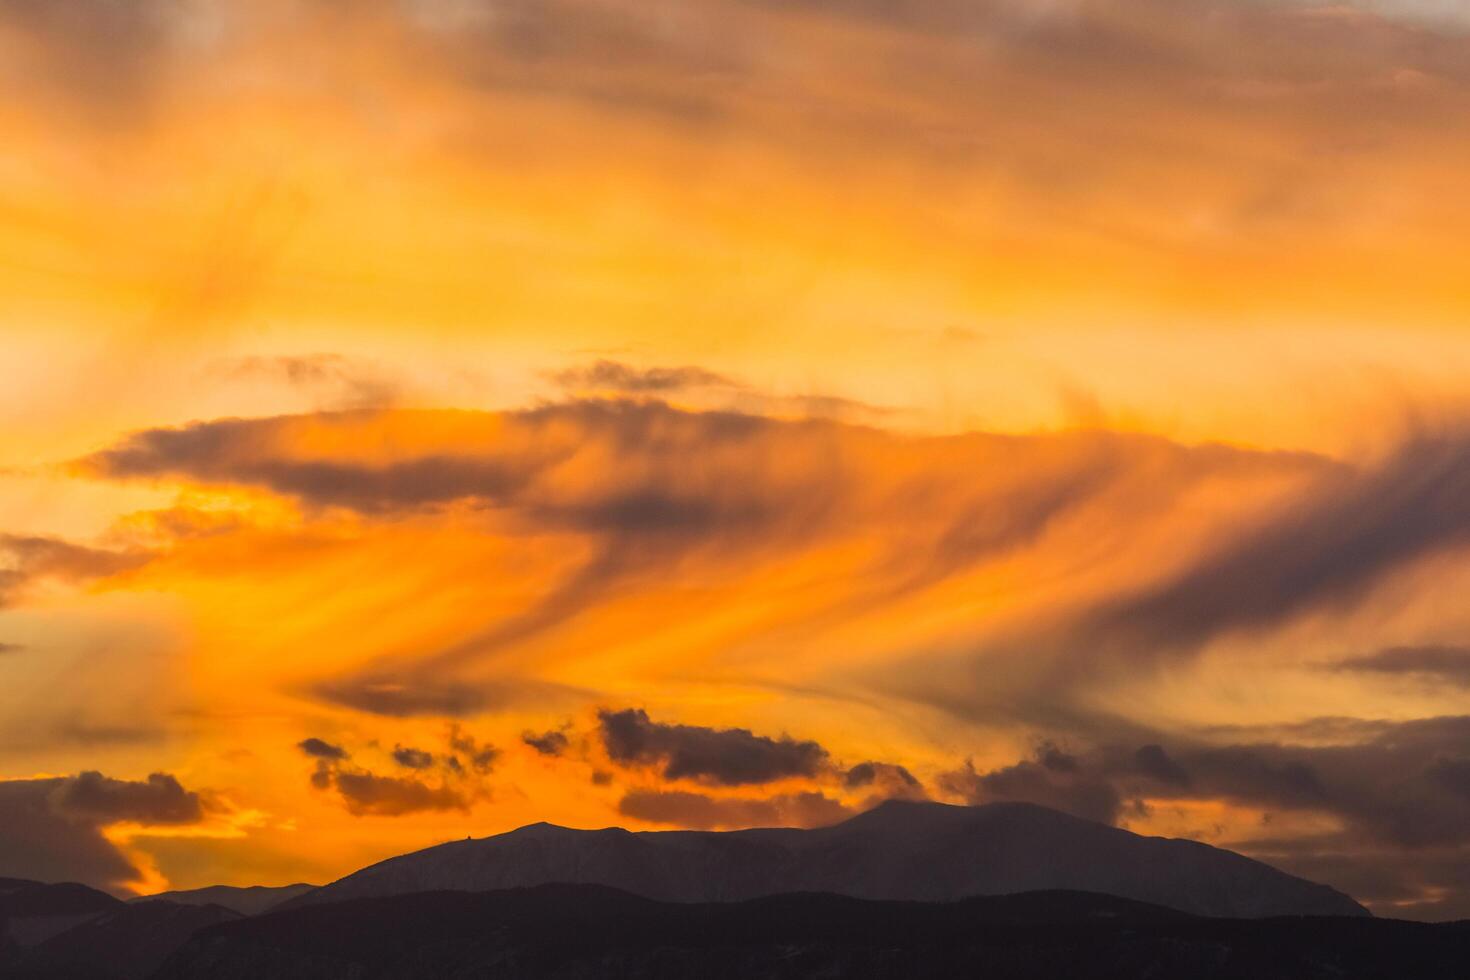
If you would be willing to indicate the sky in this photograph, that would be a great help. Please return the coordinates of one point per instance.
(422, 418)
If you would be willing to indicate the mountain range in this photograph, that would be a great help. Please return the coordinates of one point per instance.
(906, 889)
(588, 932)
(898, 851)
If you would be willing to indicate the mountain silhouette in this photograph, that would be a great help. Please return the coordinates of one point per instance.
(32, 912)
(897, 851)
(588, 932)
(128, 942)
(251, 900)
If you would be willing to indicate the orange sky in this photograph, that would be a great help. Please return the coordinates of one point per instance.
(1045, 399)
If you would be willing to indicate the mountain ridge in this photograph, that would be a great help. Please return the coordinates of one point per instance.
(582, 932)
(245, 899)
(901, 850)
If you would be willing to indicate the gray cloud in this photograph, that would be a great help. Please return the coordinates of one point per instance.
(408, 692)
(480, 756)
(547, 743)
(725, 757)
(318, 749)
(1441, 663)
(1154, 762)
(367, 794)
(411, 758)
(870, 773)
(38, 843)
(1053, 778)
(158, 800)
(884, 781)
(1399, 790)
(51, 829)
(1327, 550)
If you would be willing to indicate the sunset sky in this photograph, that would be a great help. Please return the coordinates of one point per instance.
(422, 418)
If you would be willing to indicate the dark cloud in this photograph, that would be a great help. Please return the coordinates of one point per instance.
(367, 794)
(51, 829)
(1448, 664)
(883, 781)
(616, 377)
(319, 749)
(1395, 786)
(1154, 762)
(1268, 775)
(1061, 787)
(700, 812)
(37, 842)
(452, 779)
(411, 758)
(725, 757)
(1430, 883)
(405, 694)
(1328, 549)
(10, 648)
(547, 743)
(158, 800)
(1399, 791)
(480, 756)
(871, 773)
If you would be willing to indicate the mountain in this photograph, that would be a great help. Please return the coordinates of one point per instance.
(129, 942)
(252, 900)
(32, 911)
(900, 850)
(582, 932)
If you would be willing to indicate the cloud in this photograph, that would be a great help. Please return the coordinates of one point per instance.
(884, 780)
(614, 377)
(1395, 795)
(1448, 664)
(697, 811)
(546, 743)
(1052, 778)
(38, 843)
(318, 749)
(367, 794)
(408, 693)
(411, 758)
(481, 757)
(722, 757)
(103, 56)
(29, 559)
(456, 785)
(647, 487)
(1328, 549)
(158, 800)
(1154, 762)
(52, 829)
